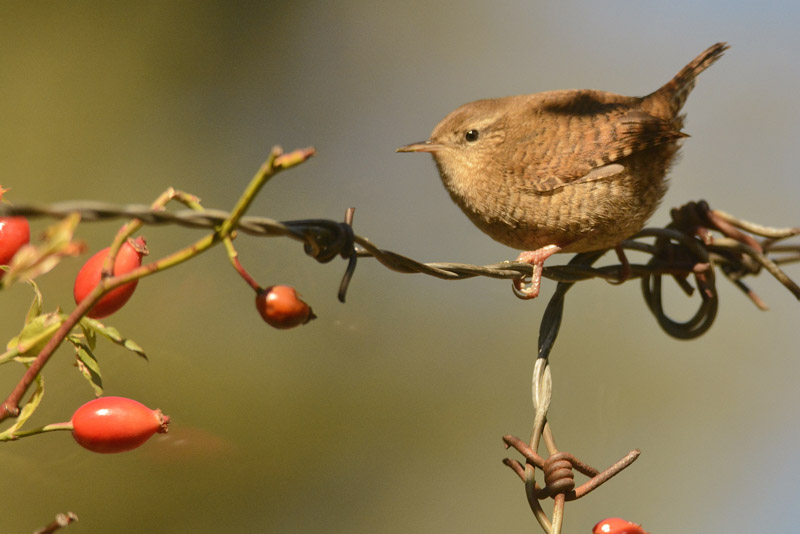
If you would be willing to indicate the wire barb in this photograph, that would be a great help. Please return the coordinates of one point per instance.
(558, 468)
(350, 253)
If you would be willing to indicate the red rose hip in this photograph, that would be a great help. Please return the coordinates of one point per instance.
(116, 424)
(14, 232)
(128, 259)
(616, 525)
(282, 308)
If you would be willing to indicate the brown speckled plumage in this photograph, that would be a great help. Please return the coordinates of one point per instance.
(578, 169)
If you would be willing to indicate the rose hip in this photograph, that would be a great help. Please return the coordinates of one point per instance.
(14, 232)
(282, 308)
(128, 259)
(116, 424)
(616, 525)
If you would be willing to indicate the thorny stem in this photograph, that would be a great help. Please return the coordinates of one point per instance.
(276, 162)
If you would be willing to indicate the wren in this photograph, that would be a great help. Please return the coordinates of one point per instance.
(562, 171)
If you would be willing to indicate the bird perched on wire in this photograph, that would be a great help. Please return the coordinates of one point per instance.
(562, 171)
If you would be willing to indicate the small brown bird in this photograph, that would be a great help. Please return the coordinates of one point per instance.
(562, 171)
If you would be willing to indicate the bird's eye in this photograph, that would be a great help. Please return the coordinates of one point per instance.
(471, 136)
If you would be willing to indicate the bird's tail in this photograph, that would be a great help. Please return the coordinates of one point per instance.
(669, 99)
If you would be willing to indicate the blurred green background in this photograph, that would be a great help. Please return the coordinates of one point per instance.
(385, 414)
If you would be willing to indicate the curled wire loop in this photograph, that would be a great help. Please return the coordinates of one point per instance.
(673, 247)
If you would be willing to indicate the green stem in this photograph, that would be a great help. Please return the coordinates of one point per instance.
(237, 265)
(9, 355)
(53, 427)
(276, 162)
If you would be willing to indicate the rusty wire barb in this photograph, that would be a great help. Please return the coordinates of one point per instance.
(685, 247)
(559, 480)
(557, 469)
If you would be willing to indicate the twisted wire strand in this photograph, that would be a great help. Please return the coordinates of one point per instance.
(677, 251)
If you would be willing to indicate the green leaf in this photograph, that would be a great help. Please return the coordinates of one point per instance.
(112, 334)
(132, 346)
(90, 334)
(87, 364)
(35, 335)
(8, 356)
(27, 410)
(36, 306)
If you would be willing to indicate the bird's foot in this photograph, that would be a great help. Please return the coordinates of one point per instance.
(525, 289)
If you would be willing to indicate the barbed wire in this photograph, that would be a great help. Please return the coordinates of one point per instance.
(684, 247)
(685, 243)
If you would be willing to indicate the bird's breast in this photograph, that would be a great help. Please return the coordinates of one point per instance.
(578, 217)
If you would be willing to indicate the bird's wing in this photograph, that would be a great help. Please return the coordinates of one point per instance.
(584, 144)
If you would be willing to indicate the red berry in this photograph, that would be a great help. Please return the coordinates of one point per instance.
(616, 525)
(128, 259)
(14, 232)
(116, 424)
(282, 308)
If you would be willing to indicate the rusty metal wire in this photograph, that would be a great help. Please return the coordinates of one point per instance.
(558, 467)
(559, 480)
(685, 247)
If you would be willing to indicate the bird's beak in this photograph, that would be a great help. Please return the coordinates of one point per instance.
(424, 146)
